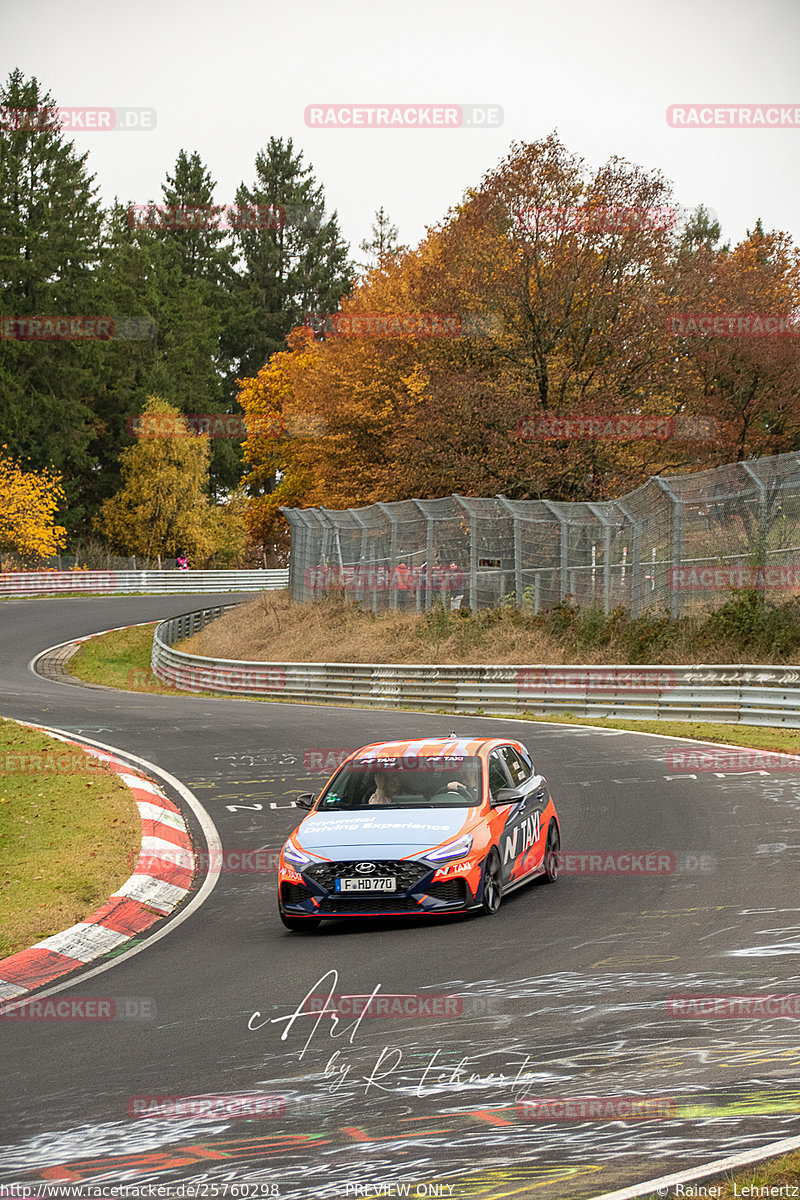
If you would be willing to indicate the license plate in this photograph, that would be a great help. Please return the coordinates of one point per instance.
(371, 884)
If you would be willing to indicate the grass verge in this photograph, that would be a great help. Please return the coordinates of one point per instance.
(758, 736)
(782, 1174)
(120, 660)
(69, 835)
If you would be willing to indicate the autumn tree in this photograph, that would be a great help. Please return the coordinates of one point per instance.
(556, 277)
(163, 505)
(746, 384)
(29, 502)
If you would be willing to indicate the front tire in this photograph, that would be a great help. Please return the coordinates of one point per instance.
(551, 854)
(492, 885)
(300, 924)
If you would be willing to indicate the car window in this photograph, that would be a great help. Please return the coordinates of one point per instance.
(405, 782)
(517, 769)
(526, 758)
(497, 774)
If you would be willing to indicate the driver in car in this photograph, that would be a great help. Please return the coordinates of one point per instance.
(465, 781)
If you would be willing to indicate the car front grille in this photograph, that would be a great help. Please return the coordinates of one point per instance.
(454, 891)
(407, 872)
(368, 904)
(294, 893)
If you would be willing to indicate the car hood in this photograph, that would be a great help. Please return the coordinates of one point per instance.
(343, 834)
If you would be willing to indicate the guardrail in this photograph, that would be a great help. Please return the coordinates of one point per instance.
(748, 695)
(42, 583)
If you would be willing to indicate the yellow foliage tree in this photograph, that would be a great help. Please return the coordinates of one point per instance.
(163, 505)
(29, 501)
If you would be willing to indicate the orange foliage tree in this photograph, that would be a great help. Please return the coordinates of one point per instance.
(569, 278)
(749, 386)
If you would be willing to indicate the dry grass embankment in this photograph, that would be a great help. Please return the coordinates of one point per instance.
(273, 628)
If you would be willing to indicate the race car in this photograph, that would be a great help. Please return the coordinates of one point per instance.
(420, 828)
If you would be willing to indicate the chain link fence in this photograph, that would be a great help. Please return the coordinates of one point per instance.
(677, 542)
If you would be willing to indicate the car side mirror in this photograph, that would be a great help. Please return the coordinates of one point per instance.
(506, 796)
(306, 800)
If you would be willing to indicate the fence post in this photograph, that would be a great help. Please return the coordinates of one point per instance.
(386, 509)
(564, 545)
(598, 512)
(763, 516)
(517, 550)
(429, 554)
(473, 553)
(676, 522)
(362, 554)
(637, 576)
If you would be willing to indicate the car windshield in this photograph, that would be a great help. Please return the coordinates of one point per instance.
(405, 782)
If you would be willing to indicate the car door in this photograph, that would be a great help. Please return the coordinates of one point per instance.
(526, 834)
(510, 839)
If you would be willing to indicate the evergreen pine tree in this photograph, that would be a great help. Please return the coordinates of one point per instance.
(383, 245)
(49, 239)
(289, 269)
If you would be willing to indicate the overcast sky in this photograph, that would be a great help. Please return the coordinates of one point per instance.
(223, 78)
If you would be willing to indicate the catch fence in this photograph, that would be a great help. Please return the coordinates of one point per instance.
(674, 543)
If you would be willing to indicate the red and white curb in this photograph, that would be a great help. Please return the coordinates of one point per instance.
(159, 883)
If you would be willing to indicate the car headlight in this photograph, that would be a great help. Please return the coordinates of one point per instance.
(458, 848)
(295, 856)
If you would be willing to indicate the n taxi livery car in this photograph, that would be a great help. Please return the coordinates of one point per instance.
(420, 828)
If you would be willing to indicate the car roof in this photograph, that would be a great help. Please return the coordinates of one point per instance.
(444, 747)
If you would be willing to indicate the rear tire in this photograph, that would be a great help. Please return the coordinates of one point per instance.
(300, 924)
(492, 885)
(551, 854)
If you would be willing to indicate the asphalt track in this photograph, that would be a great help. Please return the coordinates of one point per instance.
(564, 991)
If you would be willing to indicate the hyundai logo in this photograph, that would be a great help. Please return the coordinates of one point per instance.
(365, 868)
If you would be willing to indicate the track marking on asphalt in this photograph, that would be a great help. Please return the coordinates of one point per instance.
(557, 731)
(214, 846)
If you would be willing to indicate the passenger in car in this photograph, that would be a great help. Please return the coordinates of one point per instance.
(387, 787)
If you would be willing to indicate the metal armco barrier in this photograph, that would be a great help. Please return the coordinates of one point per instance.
(748, 695)
(43, 583)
